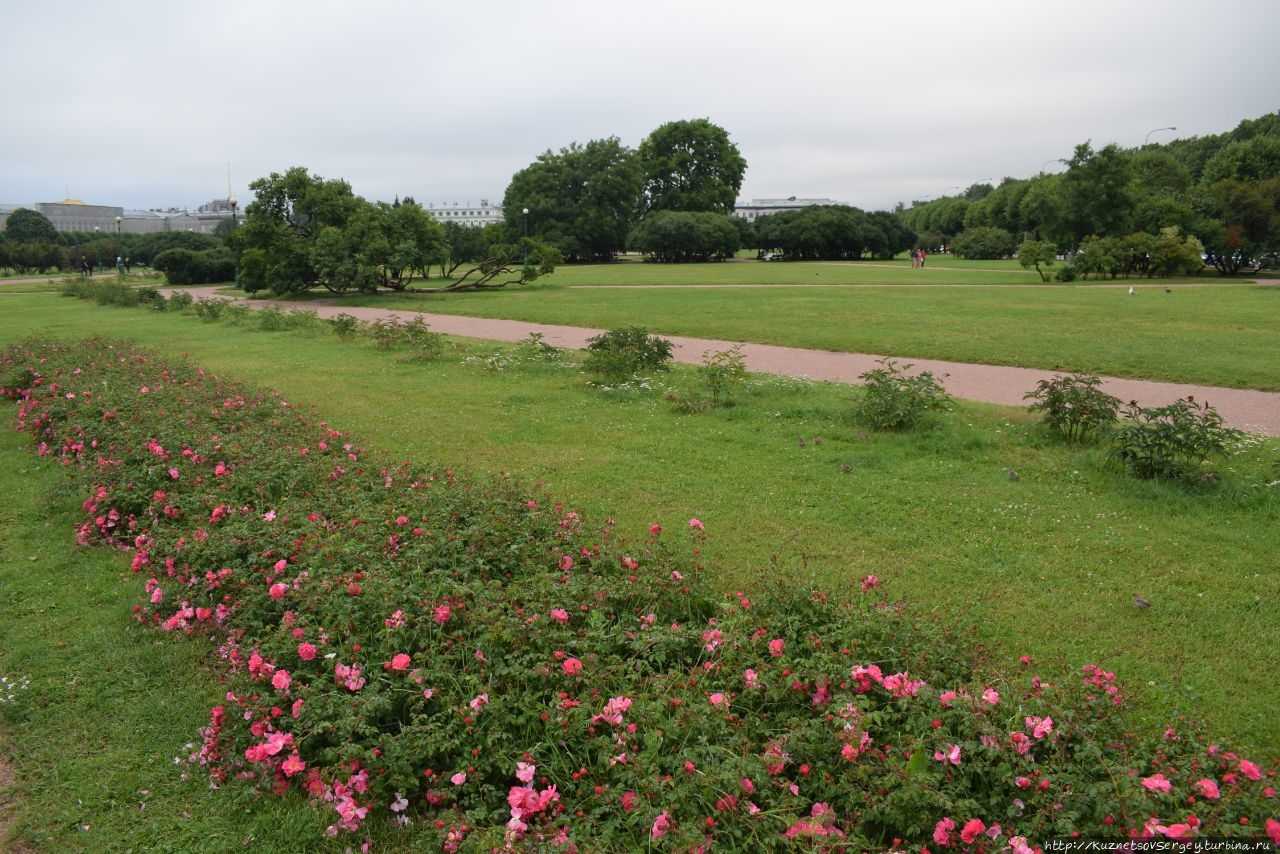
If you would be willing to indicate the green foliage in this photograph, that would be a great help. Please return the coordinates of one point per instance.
(581, 200)
(690, 165)
(720, 376)
(985, 243)
(180, 301)
(683, 237)
(832, 233)
(392, 640)
(27, 226)
(722, 373)
(346, 326)
(1034, 253)
(891, 399)
(1074, 406)
(1172, 442)
(620, 354)
(185, 267)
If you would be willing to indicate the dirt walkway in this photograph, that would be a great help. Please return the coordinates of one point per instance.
(1252, 411)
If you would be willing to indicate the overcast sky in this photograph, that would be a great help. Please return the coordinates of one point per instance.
(867, 102)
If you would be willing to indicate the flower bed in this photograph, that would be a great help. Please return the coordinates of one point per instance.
(405, 645)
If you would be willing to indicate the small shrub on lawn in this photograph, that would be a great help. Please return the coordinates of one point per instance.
(722, 373)
(180, 301)
(1172, 442)
(621, 354)
(421, 343)
(385, 332)
(346, 326)
(891, 399)
(210, 309)
(404, 645)
(272, 319)
(1074, 406)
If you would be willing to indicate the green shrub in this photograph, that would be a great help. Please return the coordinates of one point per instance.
(620, 354)
(422, 343)
(401, 648)
(187, 267)
(272, 319)
(722, 373)
(1074, 406)
(892, 400)
(386, 332)
(1172, 442)
(210, 309)
(347, 326)
(180, 301)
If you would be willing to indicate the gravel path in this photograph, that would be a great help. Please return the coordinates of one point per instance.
(1252, 411)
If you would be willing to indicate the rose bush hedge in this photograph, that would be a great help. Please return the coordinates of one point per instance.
(406, 645)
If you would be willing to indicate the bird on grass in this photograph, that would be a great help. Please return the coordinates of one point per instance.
(1013, 475)
(1139, 602)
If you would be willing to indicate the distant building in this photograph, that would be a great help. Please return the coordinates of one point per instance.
(764, 207)
(75, 215)
(479, 215)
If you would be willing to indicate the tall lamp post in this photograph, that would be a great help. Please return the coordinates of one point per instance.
(1147, 141)
(232, 201)
(97, 247)
(524, 249)
(119, 251)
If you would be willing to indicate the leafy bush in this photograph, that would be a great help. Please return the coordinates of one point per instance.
(187, 267)
(1074, 406)
(180, 301)
(272, 319)
(422, 344)
(347, 326)
(983, 243)
(210, 309)
(407, 647)
(892, 400)
(620, 354)
(1172, 442)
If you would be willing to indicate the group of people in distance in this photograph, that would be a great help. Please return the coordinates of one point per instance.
(917, 257)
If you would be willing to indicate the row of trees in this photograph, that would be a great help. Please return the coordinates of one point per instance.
(672, 199)
(31, 244)
(304, 231)
(587, 199)
(1224, 190)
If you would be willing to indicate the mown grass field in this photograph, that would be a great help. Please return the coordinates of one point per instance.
(1044, 564)
(1206, 331)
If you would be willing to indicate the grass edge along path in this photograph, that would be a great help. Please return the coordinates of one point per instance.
(810, 778)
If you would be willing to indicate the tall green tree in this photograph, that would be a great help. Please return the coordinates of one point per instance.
(581, 199)
(1097, 192)
(27, 226)
(285, 224)
(690, 165)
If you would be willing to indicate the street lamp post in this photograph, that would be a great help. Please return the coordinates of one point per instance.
(232, 201)
(97, 248)
(1147, 141)
(119, 252)
(524, 250)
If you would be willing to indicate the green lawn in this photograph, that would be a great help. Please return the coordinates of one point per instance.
(1206, 331)
(1044, 564)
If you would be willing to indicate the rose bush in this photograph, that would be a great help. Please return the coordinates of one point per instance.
(406, 645)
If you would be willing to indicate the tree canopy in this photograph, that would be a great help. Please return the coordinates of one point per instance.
(581, 199)
(690, 165)
(27, 226)
(685, 236)
(304, 231)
